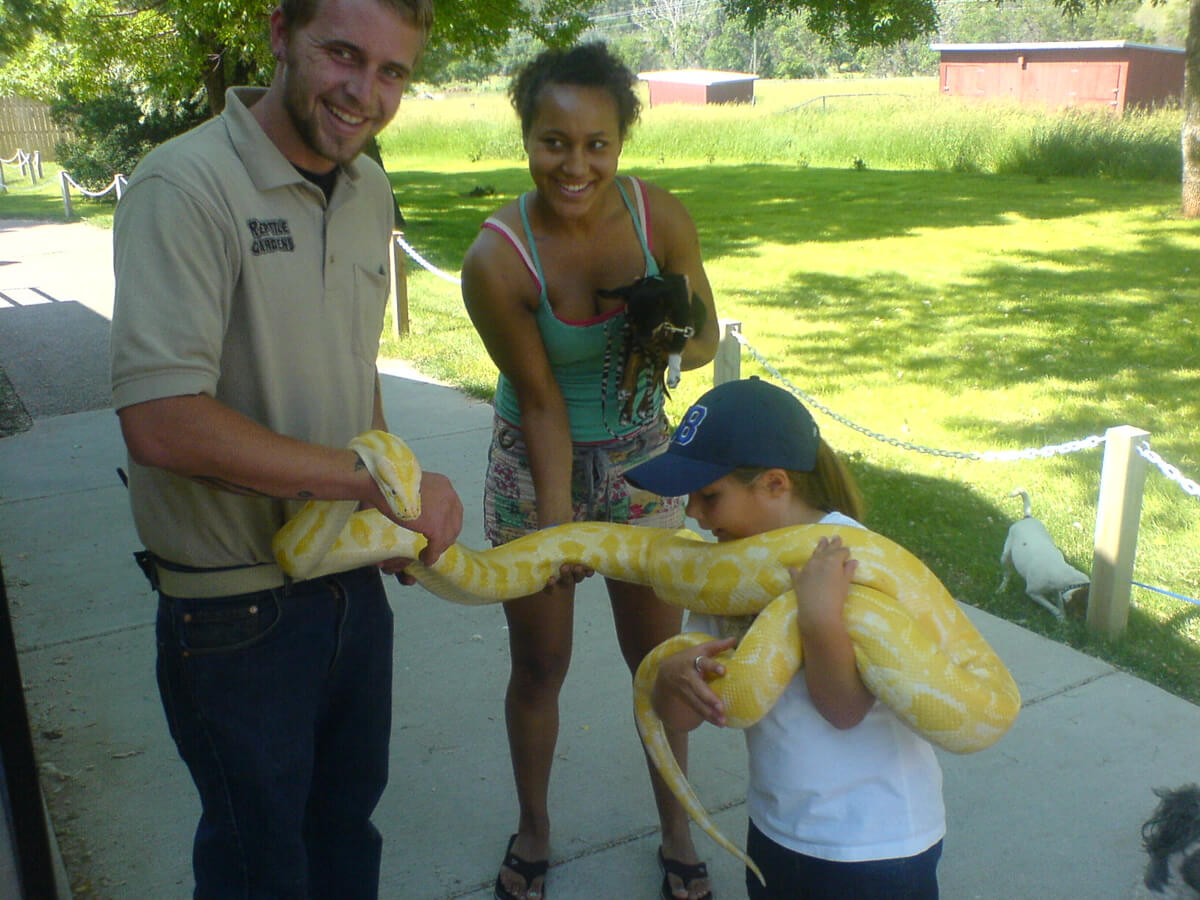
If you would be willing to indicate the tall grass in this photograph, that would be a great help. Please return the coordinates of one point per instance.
(1139, 145)
(457, 126)
(897, 124)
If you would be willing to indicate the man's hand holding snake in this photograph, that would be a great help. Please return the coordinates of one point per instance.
(440, 522)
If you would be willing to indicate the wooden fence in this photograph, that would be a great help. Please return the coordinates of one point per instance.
(26, 124)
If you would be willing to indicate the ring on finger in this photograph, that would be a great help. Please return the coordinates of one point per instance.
(696, 664)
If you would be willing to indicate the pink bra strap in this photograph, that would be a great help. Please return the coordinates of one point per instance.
(639, 192)
(498, 226)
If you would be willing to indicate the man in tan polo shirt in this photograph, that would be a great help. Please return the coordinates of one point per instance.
(251, 264)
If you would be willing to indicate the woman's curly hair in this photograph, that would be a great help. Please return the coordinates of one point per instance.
(585, 65)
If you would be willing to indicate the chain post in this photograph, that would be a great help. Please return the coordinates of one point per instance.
(727, 364)
(1122, 477)
(399, 282)
(66, 193)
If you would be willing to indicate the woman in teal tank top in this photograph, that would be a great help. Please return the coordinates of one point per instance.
(530, 283)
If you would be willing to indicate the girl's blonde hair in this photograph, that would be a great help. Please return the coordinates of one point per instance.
(829, 487)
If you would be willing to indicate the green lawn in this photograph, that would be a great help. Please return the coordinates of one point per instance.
(43, 201)
(964, 312)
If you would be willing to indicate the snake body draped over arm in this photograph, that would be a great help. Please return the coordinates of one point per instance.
(916, 650)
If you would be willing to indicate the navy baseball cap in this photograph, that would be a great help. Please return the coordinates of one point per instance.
(738, 424)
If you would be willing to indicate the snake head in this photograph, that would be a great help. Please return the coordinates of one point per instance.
(395, 469)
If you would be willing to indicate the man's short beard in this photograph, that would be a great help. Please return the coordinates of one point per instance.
(306, 126)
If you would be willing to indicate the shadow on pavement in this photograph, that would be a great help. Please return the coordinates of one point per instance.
(53, 358)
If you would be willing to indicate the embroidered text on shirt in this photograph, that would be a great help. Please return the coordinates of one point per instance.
(270, 236)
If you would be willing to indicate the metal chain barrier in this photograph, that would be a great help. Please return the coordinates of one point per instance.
(424, 263)
(1087, 443)
(1171, 472)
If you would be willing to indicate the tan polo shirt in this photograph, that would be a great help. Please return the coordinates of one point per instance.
(235, 278)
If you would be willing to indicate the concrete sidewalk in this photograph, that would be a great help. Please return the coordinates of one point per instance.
(1052, 811)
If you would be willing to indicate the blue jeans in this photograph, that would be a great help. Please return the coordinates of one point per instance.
(794, 876)
(280, 703)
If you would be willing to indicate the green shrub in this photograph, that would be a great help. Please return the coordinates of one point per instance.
(111, 133)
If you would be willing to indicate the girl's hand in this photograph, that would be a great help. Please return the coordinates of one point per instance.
(682, 697)
(568, 576)
(830, 669)
(822, 585)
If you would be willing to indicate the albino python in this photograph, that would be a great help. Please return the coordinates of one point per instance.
(916, 650)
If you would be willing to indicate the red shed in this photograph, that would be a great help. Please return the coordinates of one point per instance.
(1115, 74)
(699, 86)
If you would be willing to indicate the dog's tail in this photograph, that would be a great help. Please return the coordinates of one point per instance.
(1024, 495)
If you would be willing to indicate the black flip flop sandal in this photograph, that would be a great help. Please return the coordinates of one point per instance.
(684, 872)
(523, 867)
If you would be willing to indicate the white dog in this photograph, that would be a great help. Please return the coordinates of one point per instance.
(1171, 837)
(1049, 579)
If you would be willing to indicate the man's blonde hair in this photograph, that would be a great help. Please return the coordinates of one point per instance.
(298, 13)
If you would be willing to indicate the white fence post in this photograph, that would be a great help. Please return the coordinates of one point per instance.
(727, 364)
(1122, 477)
(66, 193)
(399, 279)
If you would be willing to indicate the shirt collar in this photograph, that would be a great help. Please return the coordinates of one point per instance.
(267, 166)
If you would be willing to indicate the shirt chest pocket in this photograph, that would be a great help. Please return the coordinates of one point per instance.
(370, 301)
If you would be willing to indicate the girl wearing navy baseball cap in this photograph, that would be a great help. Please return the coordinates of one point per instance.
(845, 801)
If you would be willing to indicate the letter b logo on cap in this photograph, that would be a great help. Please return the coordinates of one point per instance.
(686, 432)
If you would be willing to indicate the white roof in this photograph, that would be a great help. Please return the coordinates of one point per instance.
(695, 76)
(1057, 45)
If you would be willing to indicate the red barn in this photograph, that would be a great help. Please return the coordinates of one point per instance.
(699, 86)
(1115, 74)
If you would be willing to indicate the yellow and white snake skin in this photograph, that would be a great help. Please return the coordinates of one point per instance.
(916, 650)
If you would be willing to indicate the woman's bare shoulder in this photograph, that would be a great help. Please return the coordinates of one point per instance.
(494, 270)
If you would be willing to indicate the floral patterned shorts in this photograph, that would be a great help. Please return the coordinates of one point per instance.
(599, 492)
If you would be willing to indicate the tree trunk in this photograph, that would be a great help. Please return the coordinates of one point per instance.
(371, 149)
(1190, 137)
(214, 81)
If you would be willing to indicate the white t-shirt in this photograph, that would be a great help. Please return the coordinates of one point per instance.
(870, 792)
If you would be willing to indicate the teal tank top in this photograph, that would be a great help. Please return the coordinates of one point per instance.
(576, 350)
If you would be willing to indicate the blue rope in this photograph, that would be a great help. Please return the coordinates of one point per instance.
(1168, 593)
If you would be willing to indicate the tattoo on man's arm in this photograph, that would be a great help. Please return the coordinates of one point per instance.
(231, 487)
(222, 484)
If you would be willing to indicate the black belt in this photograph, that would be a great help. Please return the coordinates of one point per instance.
(179, 580)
